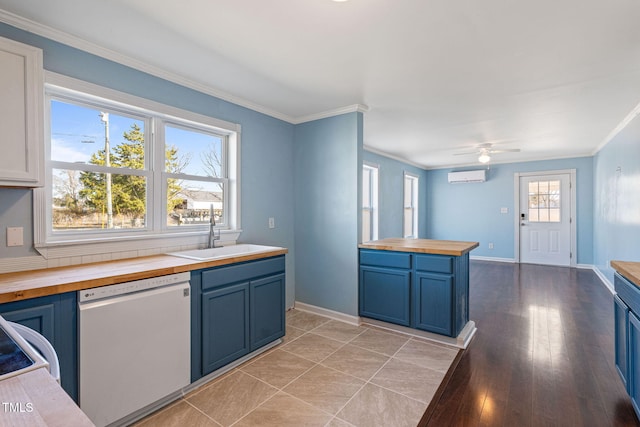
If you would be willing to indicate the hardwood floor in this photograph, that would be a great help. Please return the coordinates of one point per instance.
(542, 356)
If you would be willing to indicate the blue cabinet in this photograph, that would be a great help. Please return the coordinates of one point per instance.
(621, 339)
(385, 294)
(225, 326)
(54, 317)
(433, 295)
(627, 337)
(235, 310)
(422, 291)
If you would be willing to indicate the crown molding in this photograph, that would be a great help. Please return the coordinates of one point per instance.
(623, 124)
(392, 157)
(355, 108)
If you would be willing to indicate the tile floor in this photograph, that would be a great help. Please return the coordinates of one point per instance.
(325, 373)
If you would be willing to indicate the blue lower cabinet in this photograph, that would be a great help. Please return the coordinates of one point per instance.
(225, 326)
(235, 310)
(55, 318)
(385, 294)
(633, 374)
(433, 303)
(621, 339)
(267, 306)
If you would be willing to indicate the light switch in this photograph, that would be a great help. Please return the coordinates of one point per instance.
(272, 222)
(15, 236)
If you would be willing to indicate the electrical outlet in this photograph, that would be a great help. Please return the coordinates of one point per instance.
(490, 245)
(504, 210)
(272, 222)
(15, 236)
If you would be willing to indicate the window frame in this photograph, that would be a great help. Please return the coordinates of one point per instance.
(373, 208)
(68, 89)
(414, 180)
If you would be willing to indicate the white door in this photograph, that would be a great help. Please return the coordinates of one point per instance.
(545, 219)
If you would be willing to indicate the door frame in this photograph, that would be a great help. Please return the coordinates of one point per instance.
(573, 215)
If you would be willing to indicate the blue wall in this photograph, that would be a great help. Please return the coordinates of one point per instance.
(617, 200)
(328, 162)
(390, 195)
(266, 147)
(472, 211)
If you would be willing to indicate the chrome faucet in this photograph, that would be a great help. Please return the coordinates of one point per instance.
(213, 236)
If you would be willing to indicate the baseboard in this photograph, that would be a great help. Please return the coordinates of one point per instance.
(494, 259)
(604, 279)
(346, 318)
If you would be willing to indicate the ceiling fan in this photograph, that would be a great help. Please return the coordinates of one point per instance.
(485, 150)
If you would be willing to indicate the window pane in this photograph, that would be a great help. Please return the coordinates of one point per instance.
(193, 152)
(408, 193)
(544, 215)
(408, 222)
(366, 187)
(88, 200)
(554, 215)
(189, 202)
(366, 225)
(544, 187)
(83, 135)
(533, 187)
(533, 215)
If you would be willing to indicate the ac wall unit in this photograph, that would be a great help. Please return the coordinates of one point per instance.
(467, 176)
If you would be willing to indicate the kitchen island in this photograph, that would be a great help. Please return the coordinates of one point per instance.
(418, 286)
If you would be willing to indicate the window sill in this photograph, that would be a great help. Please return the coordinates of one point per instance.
(96, 250)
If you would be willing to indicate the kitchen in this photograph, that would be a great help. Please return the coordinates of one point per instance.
(285, 167)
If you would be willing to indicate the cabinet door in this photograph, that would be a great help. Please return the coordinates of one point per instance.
(621, 322)
(225, 326)
(432, 303)
(21, 106)
(633, 373)
(267, 310)
(54, 317)
(385, 294)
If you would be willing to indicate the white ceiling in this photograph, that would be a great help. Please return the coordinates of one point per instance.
(552, 78)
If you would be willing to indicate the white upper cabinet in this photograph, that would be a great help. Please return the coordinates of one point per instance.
(21, 115)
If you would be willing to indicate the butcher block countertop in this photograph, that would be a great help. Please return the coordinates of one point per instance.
(38, 400)
(49, 281)
(629, 269)
(425, 246)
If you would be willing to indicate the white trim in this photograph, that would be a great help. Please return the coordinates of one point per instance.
(120, 58)
(325, 312)
(88, 90)
(392, 157)
(574, 211)
(623, 124)
(461, 341)
(355, 108)
(604, 279)
(415, 202)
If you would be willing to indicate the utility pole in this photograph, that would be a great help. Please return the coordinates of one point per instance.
(107, 162)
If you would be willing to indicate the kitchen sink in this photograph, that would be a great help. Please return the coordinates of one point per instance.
(224, 252)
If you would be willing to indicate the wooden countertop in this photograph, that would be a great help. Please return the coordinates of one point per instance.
(36, 283)
(629, 269)
(41, 400)
(425, 246)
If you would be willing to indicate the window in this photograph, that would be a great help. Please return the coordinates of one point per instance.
(369, 203)
(127, 169)
(544, 201)
(410, 222)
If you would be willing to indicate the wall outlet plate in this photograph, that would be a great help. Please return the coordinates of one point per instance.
(15, 236)
(272, 222)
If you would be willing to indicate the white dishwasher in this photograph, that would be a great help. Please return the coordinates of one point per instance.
(134, 345)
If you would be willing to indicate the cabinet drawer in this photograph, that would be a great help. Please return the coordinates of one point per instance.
(434, 263)
(242, 272)
(385, 259)
(628, 292)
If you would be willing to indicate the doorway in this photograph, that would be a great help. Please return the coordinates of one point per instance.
(545, 231)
